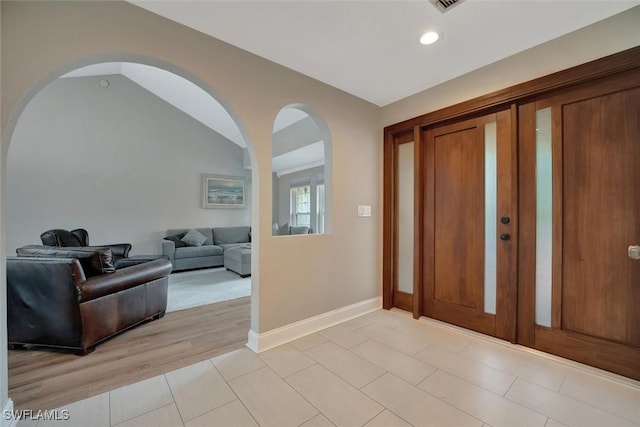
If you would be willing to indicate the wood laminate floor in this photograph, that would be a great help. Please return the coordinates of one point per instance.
(46, 379)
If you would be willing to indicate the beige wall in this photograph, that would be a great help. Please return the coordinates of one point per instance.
(296, 277)
(615, 34)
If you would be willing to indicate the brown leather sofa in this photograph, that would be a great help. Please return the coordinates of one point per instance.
(74, 298)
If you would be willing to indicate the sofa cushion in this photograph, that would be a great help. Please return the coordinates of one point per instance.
(95, 260)
(197, 251)
(235, 245)
(177, 239)
(204, 231)
(226, 235)
(302, 229)
(194, 238)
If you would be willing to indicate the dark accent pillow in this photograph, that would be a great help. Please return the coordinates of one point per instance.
(176, 238)
(95, 260)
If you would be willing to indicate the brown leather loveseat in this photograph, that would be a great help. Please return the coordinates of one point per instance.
(74, 298)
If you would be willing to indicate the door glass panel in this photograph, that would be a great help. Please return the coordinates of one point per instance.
(405, 217)
(490, 216)
(544, 232)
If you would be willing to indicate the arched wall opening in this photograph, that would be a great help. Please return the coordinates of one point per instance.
(13, 122)
(302, 175)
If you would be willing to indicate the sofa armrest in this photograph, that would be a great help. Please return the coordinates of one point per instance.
(125, 278)
(169, 249)
(42, 300)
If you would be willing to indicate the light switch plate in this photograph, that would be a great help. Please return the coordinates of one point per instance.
(364, 210)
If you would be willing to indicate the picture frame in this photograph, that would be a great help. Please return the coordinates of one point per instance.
(223, 192)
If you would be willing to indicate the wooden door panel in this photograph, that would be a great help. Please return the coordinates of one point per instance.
(601, 153)
(454, 224)
(595, 130)
(459, 218)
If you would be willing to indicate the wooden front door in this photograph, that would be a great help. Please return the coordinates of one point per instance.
(587, 291)
(470, 225)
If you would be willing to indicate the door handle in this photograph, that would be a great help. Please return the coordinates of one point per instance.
(633, 252)
(507, 236)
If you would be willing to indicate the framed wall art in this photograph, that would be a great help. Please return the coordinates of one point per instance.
(220, 191)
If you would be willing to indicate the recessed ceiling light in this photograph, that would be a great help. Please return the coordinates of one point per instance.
(429, 37)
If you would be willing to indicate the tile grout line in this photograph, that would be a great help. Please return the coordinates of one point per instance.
(376, 415)
(595, 406)
(303, 397)
(557, 360)
(173, 397)
(510, 386)
(471, 382)
(348, 383)
(234, 392)
(567, 397)
(450, 404)
(429, 394)
(147, 413)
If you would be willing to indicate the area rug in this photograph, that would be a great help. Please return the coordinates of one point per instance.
(190, 289)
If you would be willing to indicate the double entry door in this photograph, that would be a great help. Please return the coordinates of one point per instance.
(526, 224)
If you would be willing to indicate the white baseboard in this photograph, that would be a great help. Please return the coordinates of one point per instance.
(6, 418)
(275, 337)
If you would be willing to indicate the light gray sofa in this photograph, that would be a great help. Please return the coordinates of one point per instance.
(210, 253)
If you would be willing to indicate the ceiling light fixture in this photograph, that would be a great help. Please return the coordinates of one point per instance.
(429, 37)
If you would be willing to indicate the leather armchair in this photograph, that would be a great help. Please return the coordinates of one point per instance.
(57, 300)
(80, 237)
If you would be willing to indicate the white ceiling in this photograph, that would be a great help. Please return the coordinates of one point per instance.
(369, 48)
(185, 96)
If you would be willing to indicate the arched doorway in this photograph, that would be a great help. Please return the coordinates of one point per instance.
(9, 133)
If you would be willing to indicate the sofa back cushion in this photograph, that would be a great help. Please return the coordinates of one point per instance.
(301, 229)
(95, 260)
(204, 231)
(227, 235)
(59, 237)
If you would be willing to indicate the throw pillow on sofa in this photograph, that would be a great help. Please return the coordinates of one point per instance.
(177, 239)
(194, 238)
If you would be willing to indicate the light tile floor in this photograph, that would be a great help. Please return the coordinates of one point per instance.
(380, 369)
